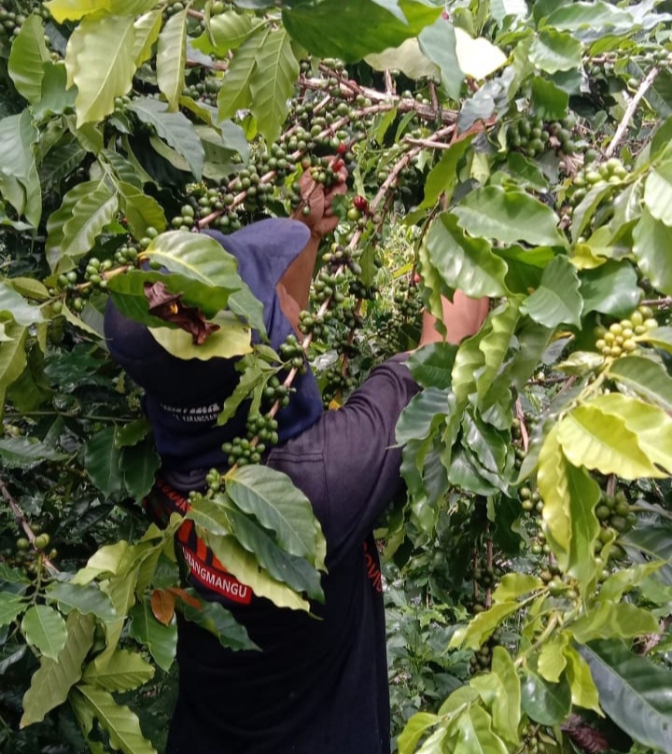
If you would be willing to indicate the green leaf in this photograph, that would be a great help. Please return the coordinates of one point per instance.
(72, 10)
(215, 618)
(87, 600)
(634, 692)
(100, 61)
(355, 29)
(570, 497)
(252, 377)
(549, 101)
(583, 214)
(72, 230)
(122, 671)
(18, 134)
(477, 58)
(609, 620)
(17, 307)
(552, 662)
(610, 289)
(11, 606)
(174, 128)
(658, 193)
(160, 640)
(138, 467)
(508, 216)
(545, 703)
(621, 582)
(651, 424)
(171, 58)
(55, 97)
(602, 441)
(514, 585)
(279, 506)
(502, 8)
(60, 162)
(432, 365)
(506, 710)
(660, 337)
(483, 625)
(464, 263)
(45, 629)
(146, 32)
(584, 691)
(645, 377)
(141, 211)
(475, 734)
(101, 458)
(235, 91)
(51, 683)
(557, 299)
(554, 51)
(27, 58)
(652, 249)
(500, 692)
(414, 730)
(590, 21)
(272, 83)
(407, 58)
(245, 567)
(121, 724)
(443, 177)
(12, 354)
(439, 43)
(227, 31)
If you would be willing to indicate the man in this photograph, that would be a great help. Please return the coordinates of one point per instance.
(319, 685)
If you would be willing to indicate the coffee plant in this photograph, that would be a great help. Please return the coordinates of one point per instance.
(513, 150)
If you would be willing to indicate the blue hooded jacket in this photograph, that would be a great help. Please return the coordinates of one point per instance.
(184, 397)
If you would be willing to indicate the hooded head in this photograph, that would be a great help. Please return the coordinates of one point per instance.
(184, 397)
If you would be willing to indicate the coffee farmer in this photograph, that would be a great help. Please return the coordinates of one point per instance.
(319, 683)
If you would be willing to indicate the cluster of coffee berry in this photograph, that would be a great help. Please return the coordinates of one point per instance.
(614, 511)
(293, 354)
(261, 432)
(482, 658)
(531, 500)
(613, 172)
(27, 556)
(620, 338)
(532, 136)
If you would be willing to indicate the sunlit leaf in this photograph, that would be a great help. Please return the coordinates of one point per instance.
(53, 680)
(100, 61)
(44, 628)
(171, 58)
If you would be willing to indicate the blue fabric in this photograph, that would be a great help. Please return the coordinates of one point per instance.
(183, 397)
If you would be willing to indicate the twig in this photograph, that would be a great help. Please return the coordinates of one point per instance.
(20, 519)
(428, 143)
(389, 84)
(663, 303)
(434, 99)
(630, 110)
(523, 427)
(488, 563)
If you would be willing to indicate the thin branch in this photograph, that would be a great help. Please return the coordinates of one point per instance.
(389, 83)
(630, 110)
(663, 303)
